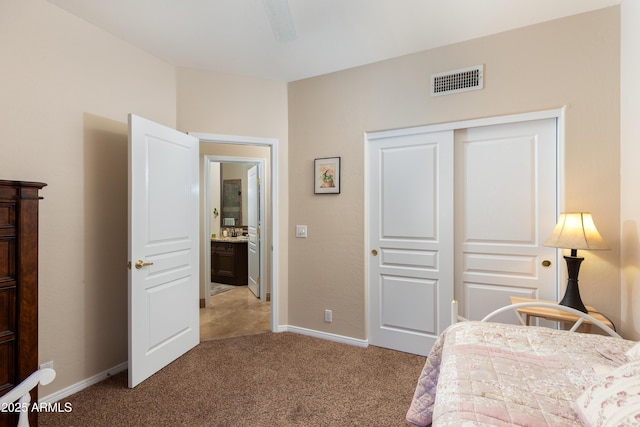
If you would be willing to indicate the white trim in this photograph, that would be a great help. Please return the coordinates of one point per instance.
(560, 181)
(465, 124)
(79, 386)
(325, 336)
(272, 143)
(367, 241)
(206, 246)
(235, 139)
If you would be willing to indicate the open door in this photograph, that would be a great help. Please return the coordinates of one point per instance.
(253, 215)
(163, 289)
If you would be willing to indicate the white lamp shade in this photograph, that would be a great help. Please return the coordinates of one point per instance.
(576, 230)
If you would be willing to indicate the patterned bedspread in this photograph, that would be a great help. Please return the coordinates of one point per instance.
(490, 374)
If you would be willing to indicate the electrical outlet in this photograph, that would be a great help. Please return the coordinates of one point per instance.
(301, 231)
(48, 364)
(328, 316)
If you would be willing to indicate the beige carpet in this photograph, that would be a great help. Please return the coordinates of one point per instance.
(271, 379)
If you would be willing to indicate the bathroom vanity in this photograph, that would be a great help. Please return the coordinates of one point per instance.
(229, 262)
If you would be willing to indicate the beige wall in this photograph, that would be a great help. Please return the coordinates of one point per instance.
(215, 194)
(225, 104)
(572, 62)
(67, 88)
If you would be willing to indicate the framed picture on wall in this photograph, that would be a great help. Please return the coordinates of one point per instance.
(327, 175)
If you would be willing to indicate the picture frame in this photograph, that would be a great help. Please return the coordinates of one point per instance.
(326, 175)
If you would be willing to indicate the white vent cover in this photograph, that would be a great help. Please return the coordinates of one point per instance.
(462, 80)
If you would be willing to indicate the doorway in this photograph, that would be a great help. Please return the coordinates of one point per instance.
(236, 213)
(238, 230)
(236, 303)
(239, 149)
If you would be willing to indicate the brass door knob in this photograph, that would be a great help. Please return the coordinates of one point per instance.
(374, 252)
(546, 263)
(140, 264)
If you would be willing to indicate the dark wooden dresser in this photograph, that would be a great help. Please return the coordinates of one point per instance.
(229, 262)
(18, 287)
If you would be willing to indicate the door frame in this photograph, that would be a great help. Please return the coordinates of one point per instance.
(208, 159)
(272, 224)
(558, 114)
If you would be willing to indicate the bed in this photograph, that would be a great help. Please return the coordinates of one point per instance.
(493, 374)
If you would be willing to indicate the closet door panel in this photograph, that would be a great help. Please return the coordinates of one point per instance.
(506, 192)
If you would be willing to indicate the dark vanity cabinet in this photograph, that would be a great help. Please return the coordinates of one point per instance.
(229, 262)
(19, 202)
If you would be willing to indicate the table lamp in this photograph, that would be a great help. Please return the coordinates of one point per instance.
(575, 230)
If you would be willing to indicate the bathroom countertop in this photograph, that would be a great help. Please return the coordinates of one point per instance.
(239, 239)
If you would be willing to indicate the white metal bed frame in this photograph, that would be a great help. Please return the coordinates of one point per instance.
(455, 317)
(21, 393)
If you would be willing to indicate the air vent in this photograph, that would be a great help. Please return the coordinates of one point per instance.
(462, 80)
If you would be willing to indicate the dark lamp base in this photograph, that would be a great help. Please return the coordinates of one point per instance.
(572, 294)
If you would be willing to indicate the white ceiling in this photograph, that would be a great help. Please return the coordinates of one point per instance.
(234, 36)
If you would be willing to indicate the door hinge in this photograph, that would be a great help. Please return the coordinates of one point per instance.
(129, 265)
(258, 181)
(258, 231)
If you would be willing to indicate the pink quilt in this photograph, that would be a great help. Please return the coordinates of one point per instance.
(491, 374)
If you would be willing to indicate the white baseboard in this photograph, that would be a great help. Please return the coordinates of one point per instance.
(324, 335)
(72, 389)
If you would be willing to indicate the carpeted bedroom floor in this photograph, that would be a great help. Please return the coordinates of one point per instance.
(270, 379)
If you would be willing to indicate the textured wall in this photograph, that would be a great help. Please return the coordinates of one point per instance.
(572, 62)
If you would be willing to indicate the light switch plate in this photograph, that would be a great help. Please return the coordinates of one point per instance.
(301, 231)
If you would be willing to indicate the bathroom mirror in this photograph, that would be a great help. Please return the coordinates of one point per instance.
(231, 202)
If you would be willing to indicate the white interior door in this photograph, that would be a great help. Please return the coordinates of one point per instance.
(253, 206)
(410, 212)
(163, 240)
(506, 195)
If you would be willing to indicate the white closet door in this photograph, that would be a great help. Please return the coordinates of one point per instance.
(505, 209)
(410, 211)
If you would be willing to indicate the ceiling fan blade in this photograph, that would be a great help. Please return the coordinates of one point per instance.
(281, 19)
